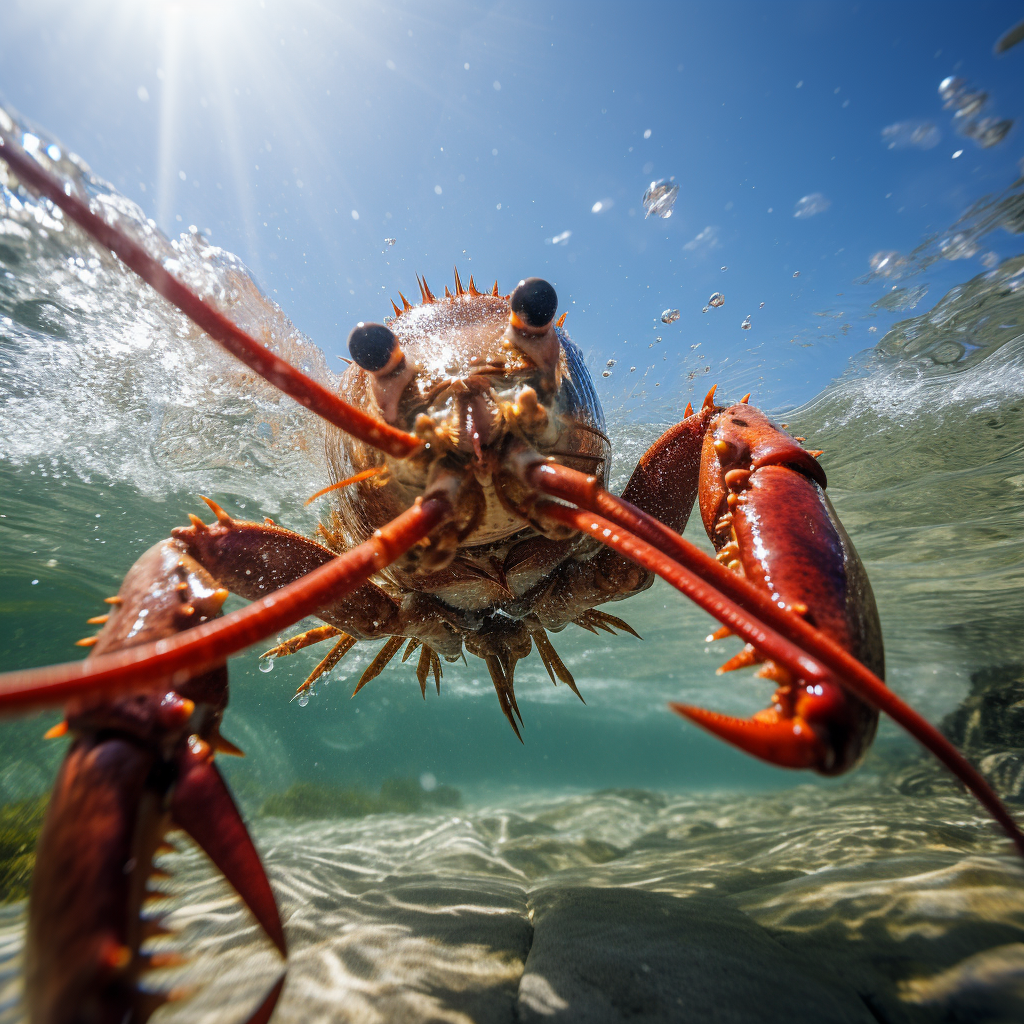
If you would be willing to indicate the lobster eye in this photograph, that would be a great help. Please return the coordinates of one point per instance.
(534, 304)
(373, 347)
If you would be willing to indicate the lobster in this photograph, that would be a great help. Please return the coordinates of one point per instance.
(468, 512)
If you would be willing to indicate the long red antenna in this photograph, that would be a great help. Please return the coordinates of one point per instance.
(211, 643)
(282, 375)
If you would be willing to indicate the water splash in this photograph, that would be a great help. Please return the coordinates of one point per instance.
(103, 377)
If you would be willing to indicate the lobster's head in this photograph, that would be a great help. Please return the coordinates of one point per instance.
(477, 377)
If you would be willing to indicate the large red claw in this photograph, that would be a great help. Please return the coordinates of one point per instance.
(786, 742)
(203, 807)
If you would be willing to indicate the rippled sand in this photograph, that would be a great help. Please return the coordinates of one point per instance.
(851, 903)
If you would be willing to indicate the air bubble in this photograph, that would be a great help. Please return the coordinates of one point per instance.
(303, 700)
(267, 665)
(669, 316)
(716, 300)
(810, 206)
(746, 323)
(659, 198)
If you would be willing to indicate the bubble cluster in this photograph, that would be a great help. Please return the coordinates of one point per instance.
(968, 103)
(911, 135)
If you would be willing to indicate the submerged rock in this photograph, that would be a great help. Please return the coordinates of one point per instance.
(610, 955)
(988, 727)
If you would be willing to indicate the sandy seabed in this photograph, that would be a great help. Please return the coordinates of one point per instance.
(847, 903)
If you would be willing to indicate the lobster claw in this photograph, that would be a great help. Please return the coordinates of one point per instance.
(807, 726)
(202, 805)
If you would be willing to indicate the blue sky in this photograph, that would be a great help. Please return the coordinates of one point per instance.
(475, 132)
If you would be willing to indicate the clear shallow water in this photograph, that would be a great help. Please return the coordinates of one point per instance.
(851, 904)
(114, 415)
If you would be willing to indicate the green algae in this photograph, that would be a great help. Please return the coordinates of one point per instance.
(20, 823)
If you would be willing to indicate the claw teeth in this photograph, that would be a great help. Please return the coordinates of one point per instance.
(115, 957)
(728, 552)
(747, 657)
(222, 516)
(86, 641)
(225, 746)
(56, 731)
(97, 620)
(196, 522)
(736, 479)
(112, 600)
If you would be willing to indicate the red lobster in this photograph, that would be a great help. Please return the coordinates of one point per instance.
(470, 511)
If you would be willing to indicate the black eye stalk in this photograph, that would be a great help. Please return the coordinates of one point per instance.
(375, 348)
(534, 304)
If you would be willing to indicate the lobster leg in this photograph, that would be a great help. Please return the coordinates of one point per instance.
(253, 559)
(139, 765)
